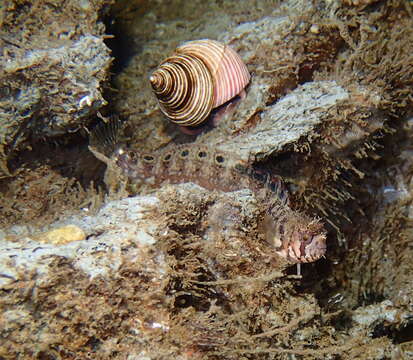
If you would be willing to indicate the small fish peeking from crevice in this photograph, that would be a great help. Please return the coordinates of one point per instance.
(294, 235)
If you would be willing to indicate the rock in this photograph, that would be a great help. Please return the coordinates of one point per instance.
(164, 254)
(187, 273)
(54, 65)
(293, 117)
(160, 274)
(119, 224)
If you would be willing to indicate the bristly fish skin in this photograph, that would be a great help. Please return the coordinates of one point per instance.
(294, 236)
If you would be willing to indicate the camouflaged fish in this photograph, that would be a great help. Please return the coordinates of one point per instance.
(295, 236)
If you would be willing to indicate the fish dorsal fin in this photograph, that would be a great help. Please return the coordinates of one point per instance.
(104, 137)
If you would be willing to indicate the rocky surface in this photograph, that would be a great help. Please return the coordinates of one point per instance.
(295, 116)
(183, 272)
(182, 246)
(54, 65)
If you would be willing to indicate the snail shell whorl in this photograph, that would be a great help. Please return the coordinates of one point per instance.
(184, 89)
(200, 76)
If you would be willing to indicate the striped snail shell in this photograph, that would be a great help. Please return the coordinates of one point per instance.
(200, 76)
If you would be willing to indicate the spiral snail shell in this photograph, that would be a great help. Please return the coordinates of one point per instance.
(200, 76)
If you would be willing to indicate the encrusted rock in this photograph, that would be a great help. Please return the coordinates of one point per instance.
(54, 63)
(186, 272)
(284, 123)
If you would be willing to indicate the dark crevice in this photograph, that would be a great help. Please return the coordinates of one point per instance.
(68, 155)
(122, 45)
(398, 335)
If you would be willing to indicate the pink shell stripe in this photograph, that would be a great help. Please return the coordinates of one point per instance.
(227, 68)
(231, 78)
